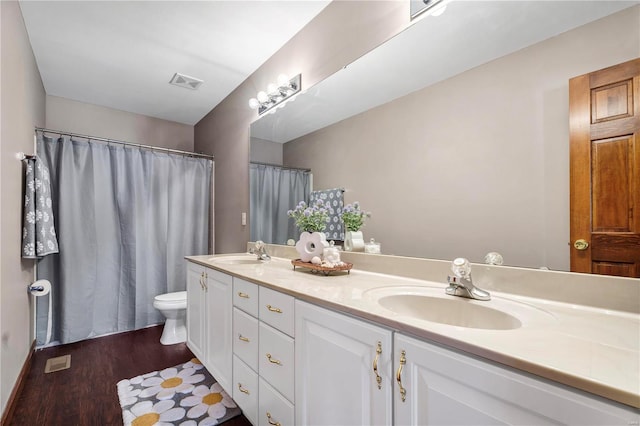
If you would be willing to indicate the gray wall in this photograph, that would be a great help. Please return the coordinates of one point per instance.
(87, 119)
(483, 156)
(263, 151)
(22, 107)
(342, 32)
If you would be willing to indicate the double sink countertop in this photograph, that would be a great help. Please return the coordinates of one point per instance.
(591, 348)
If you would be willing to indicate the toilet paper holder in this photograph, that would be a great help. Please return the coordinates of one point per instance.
(39, 287)
(33, 287)
(43, 288)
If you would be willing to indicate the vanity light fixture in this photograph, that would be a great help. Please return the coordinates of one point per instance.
(276, 93)
(419, 7)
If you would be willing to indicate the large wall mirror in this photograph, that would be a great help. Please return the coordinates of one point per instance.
(454, 134)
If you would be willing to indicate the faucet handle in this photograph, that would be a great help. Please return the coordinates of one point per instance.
(493, 258)
(461, 267)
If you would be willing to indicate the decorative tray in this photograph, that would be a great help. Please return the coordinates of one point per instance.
(325, 270)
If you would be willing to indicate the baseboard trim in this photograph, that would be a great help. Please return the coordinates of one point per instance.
(17, 388)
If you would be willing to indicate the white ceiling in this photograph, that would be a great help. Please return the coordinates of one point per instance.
(466, 35)
(122, 54)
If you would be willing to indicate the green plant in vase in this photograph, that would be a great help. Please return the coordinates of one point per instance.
(312, 218)
(353, 219)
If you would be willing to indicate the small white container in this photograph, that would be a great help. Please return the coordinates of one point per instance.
(372, 247)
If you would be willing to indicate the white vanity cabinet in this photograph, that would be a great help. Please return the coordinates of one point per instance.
(209, 316)
(287, 361)
(442, 386)
(196, 306)
(343, 369)
(219, 356)
(263, 347)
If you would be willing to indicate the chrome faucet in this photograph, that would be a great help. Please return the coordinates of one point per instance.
(461, 283)
(261, 250)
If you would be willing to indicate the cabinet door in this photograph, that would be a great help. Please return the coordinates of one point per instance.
(277, 310)
(245, 391)
(195, 310)
(245, 296)
(335, 381)
(444, 387)
(219, 354)
(273, 408)
(276, 361)
(245, 338)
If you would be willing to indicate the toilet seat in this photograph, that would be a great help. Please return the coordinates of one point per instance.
(175, 300)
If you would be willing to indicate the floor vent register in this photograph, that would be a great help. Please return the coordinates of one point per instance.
(57, 364)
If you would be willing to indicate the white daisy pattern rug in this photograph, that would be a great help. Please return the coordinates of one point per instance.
(185, 395)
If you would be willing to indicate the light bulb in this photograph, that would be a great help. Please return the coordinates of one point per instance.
(263, 97)
(253, 103)
(283, 80)
(272, 89)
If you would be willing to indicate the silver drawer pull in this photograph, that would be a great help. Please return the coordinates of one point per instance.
(271, 421)
(243, 390)
(244, 295)
(272, 309)
(272, 360)
(244, 339)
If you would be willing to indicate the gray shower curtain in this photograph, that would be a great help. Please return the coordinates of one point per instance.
(125, 219)
(272, 192)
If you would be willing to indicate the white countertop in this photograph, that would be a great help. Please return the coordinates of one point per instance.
(593, 349)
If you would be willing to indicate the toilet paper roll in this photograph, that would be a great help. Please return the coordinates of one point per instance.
(42, 288)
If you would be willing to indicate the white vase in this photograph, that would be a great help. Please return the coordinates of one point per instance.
(353, 241)
(311, 245)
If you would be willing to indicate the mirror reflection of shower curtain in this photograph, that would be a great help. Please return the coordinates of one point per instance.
(273, 191)
(126, 217)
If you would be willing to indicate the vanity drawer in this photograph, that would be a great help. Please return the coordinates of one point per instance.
(276, 309)
(276, 360)
(245, 338)
(245, 389)
(245, 296)
(278, 408)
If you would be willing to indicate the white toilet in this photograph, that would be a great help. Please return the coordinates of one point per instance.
(174, 308)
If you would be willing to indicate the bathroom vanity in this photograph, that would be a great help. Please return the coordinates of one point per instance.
(292, 347)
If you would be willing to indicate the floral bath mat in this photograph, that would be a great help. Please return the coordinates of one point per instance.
(185, 395)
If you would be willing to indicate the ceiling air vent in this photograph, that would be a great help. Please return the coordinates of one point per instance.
(185, 81)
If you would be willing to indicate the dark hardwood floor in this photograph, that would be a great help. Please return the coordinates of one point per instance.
(85, 394)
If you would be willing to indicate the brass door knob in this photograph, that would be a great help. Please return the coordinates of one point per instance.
(581, 244)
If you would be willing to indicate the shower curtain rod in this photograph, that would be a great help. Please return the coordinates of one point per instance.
(139, 145)
(278, 166)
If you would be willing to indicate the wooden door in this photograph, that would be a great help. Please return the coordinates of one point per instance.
(604, 126)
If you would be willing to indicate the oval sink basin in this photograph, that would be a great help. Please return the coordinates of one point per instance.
(447, 311)
(236, 260)
(432, 304)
